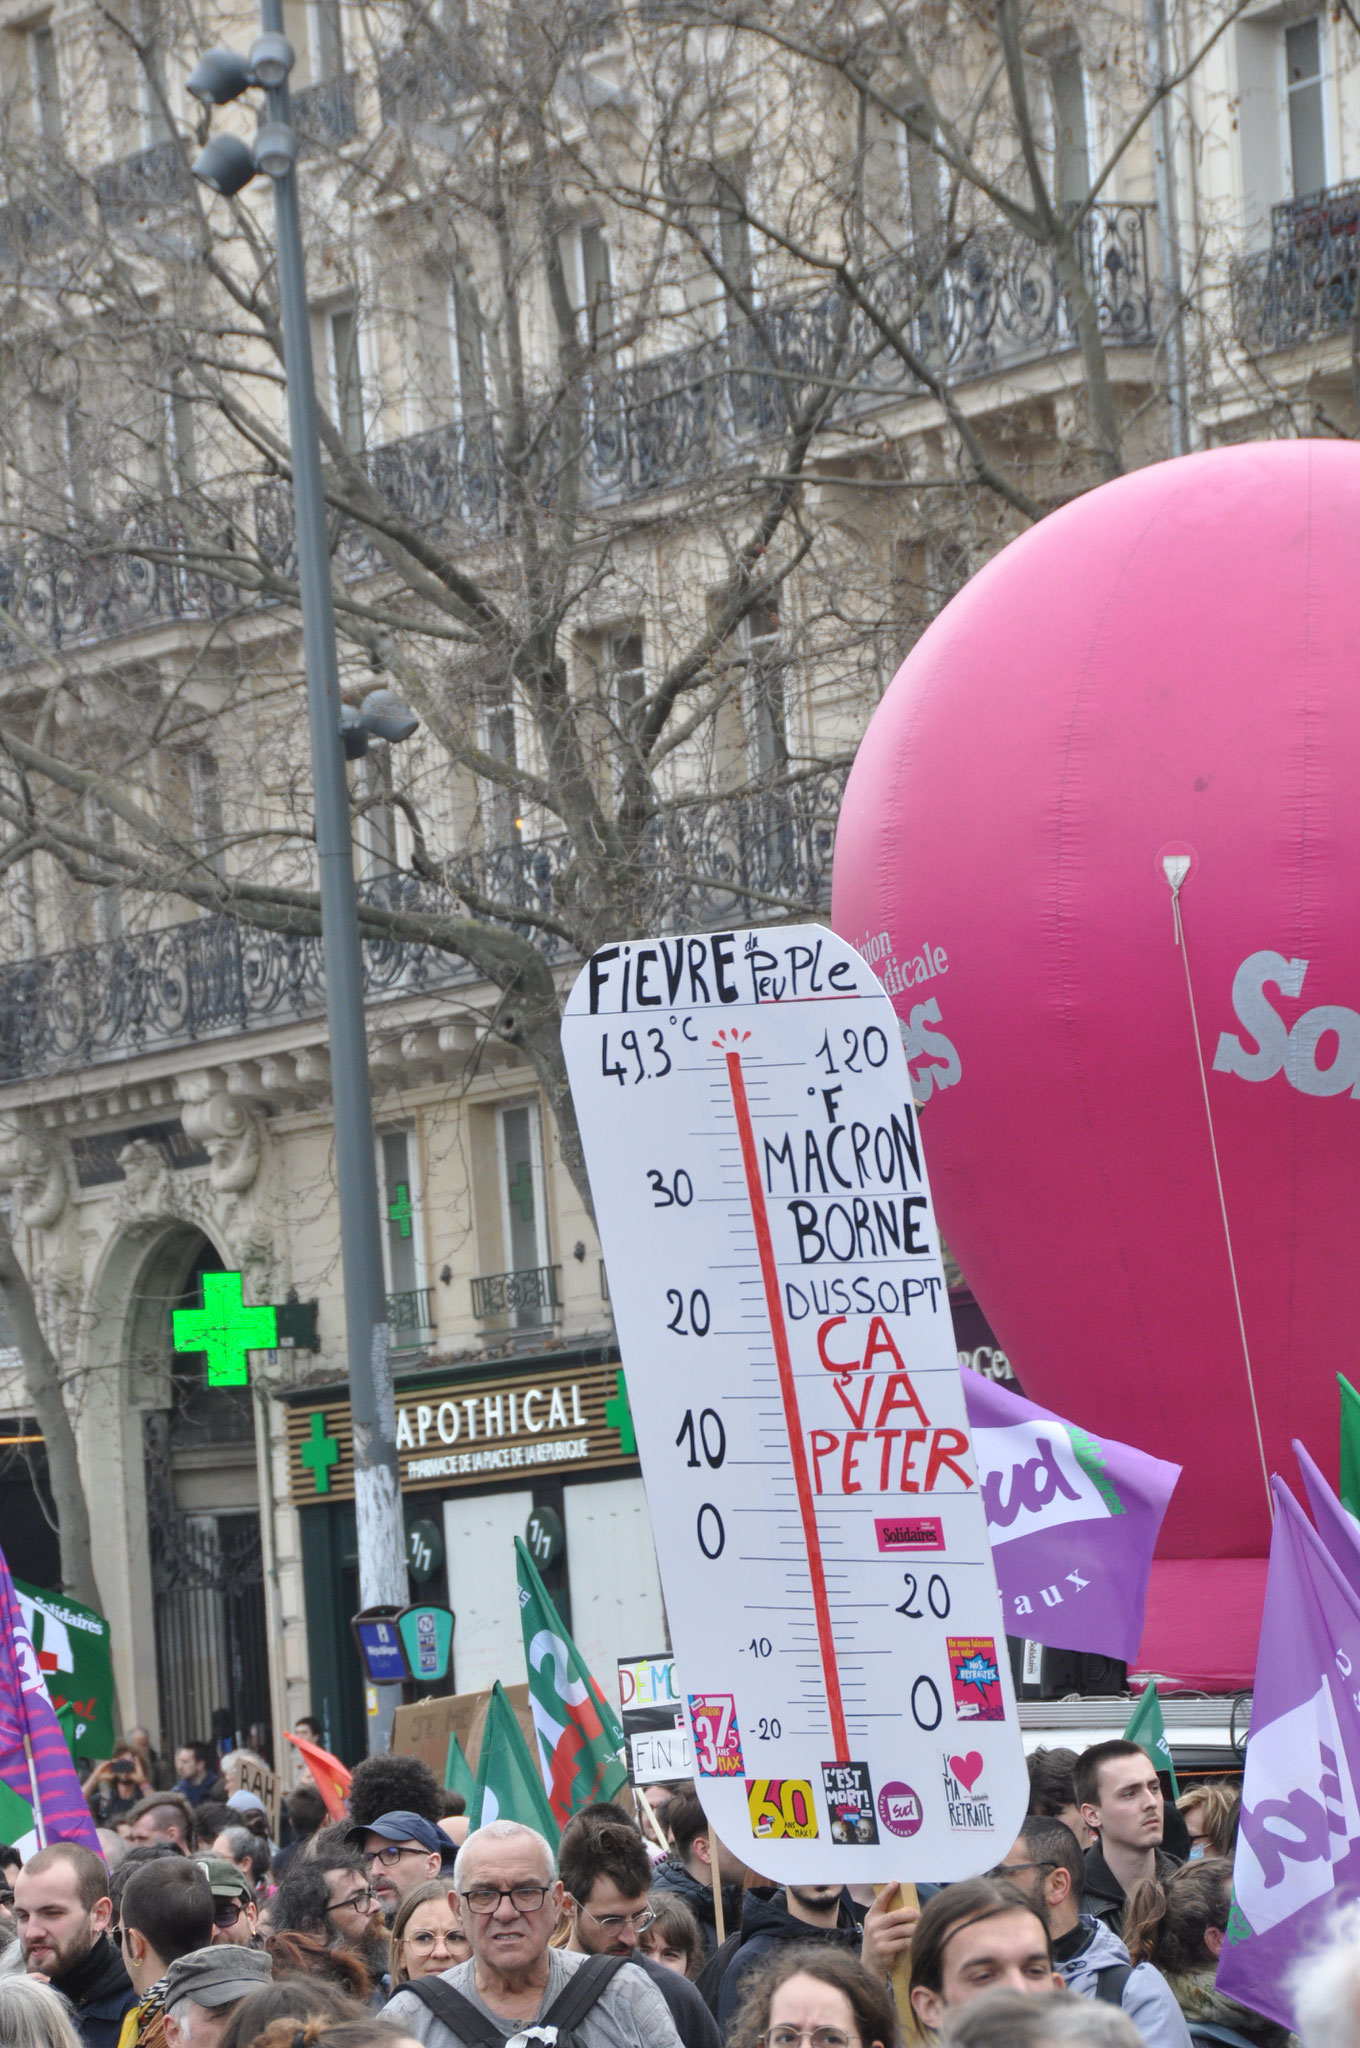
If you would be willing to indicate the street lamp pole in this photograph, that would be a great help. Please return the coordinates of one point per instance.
(377, 1489)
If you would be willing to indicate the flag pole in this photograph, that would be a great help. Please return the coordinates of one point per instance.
(33, 1787)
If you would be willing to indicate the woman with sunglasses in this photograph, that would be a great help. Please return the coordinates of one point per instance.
(814, 1998)
(427, 1938)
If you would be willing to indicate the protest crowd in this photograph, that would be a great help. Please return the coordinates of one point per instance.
(396, 1923)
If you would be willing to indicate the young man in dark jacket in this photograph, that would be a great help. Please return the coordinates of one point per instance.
(1121, 1803)
(689, 1875)
(62, 1906)
(607, 1872)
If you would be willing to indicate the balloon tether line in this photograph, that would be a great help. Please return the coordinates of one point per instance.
(1176, 871)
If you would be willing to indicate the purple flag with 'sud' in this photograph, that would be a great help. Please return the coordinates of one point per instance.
(60, 1812)
(1073, 1522)
(1298, 1849)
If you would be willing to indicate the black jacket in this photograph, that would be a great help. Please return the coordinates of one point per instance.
(694, 2023)
(769, 1923)
(698, 1896)
(1103, 1894)
(101, 1994)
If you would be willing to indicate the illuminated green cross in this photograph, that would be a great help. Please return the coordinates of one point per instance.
(226, 1329)
(319, 1452)
(521, 1191)
(400, 1209)
(619, 1416)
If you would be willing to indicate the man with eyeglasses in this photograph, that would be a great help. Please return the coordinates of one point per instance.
(515, 1990)
(329, 1896)
(1046, 1863)
(400, 1851)
(606, 1871)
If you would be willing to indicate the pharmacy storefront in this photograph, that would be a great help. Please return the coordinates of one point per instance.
(482, 1451)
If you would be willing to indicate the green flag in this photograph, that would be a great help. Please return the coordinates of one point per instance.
(16, 1822)
(579, 1734)
(1350, 1445)
(508, 1785)
(458, 1772)
(72, 1643)
(1147, 1728)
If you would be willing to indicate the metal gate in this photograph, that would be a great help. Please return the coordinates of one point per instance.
(212, 1662)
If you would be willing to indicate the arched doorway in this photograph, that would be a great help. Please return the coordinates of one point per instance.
(203, 1518)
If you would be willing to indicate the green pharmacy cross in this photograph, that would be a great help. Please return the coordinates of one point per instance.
(319, 1452)
(619, 1415)
(400, 1209)
(225, 1329)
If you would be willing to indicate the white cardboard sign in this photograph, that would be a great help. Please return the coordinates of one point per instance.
(774, 1267)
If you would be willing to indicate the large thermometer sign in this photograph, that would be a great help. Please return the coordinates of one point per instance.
(761, 1193)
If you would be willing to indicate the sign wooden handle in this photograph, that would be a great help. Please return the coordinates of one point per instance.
(719, 1926)
(901, 1974)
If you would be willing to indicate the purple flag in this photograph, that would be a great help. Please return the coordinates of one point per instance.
(50, 1784)
(1340, 1532)
(1073, 1522)
(1298, 1849)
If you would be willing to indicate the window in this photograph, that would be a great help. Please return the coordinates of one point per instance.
(502, 822)
(1071, 158)
(156, 125)
(346, 375)
(408, 1308)
(205, 806)
(763, 693)
(1303, 97)
(732, 244)
(377, 820)
(592, 285)
(44, 83)
(922, 173)
(108, 900)
(469, 363)
(325, 34)
(179, 413)
(524, 1231)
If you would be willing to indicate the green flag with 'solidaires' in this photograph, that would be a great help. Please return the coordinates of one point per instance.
(1147, 1728)
(508, 1785)
(579, 1734)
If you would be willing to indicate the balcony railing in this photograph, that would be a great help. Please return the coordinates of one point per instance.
(67, 594)
(530, 1294)
(325, 112)
(704, 863)
(1302, 288)
(410, 1318)
(133, 186)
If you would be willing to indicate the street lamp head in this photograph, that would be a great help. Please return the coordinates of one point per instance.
(275, 149)
(220, 76)
(226, 163)
(271, 59)
(386, 717)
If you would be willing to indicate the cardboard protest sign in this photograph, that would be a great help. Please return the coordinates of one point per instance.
(424, 1729)
(765, 1214)
(76, 1662)
(653, 1718)
(244, 1772)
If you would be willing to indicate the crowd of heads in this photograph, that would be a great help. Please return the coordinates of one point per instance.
(235, 1944)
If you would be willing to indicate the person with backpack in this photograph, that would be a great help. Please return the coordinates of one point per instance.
(1046, 1863)
(1179, 1924)
(509, 1898)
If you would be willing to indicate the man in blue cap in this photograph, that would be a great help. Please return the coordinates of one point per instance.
(401, 1851)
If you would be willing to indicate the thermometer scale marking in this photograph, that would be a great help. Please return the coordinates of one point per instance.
(789, 1394)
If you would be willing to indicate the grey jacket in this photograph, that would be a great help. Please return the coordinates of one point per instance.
(631, 2013)
(1147, 1998)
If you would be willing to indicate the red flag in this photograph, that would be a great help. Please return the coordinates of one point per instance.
(329, 1775)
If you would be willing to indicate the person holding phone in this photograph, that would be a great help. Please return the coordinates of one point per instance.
(114, 1788)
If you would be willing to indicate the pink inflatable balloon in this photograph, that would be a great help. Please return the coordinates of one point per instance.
(1160, 680)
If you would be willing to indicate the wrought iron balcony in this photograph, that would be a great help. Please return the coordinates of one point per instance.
(133, 186)
(44, 217)
(325, 112)
(410, 1318)
(70, 594)
(530, 1293)
(708, 862)
(1302, 288)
